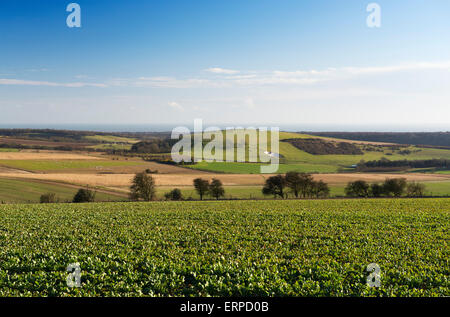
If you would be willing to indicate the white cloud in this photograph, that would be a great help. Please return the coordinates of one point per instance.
(20, 82)
(276, 77)
(218, 70)
(235, 78)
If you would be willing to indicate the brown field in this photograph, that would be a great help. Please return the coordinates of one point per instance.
(133, 169)
(124, 180)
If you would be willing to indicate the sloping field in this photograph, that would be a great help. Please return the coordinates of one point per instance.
(26, 191)
(232, 248)
(294, 159)
(121, 180)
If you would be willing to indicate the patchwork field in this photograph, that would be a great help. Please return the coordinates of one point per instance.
(121, 180)
(232, 248)
(294, 159)
(113, 173)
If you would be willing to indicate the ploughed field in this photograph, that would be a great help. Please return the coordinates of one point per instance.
(239, 248)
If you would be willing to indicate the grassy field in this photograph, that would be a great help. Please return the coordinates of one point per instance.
(300, 161)
(255, 168)
(111, 146)
(438, 188)
(110, 139)
(234, 248)
(236, 192)
(54, 165)
(8, 150)
(19, 191)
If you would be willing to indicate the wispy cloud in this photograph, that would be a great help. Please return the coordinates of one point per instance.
(298, 77)
(20, 82)
(233, 78)
(218, 70)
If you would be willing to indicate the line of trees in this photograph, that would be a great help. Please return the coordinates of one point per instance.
(301, 185)
(383, 163)
(144, 188)
(394, 187)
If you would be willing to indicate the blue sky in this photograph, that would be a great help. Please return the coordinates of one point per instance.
(238, 62)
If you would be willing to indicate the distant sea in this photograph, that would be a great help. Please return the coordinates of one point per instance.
(151, 127)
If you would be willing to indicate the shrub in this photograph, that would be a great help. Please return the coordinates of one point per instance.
(84, 196)
(174, 194)
(415, 190)
(376, 190)
(394, 187)
(358, 188)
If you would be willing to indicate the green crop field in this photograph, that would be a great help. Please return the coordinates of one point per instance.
(53, 165)
(8, 150)
(19, 191)
(229, 248)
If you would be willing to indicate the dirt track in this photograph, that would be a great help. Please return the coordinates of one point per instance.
(123, 180)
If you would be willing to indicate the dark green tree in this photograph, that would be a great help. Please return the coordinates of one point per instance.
(216, 188)
(84, 196)
(274, 186)
(394, 187)
(320, 189)
(358, 188)
(201, 186)
(306, 185)
(143, 187)
(294, 182)
(376, 190)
